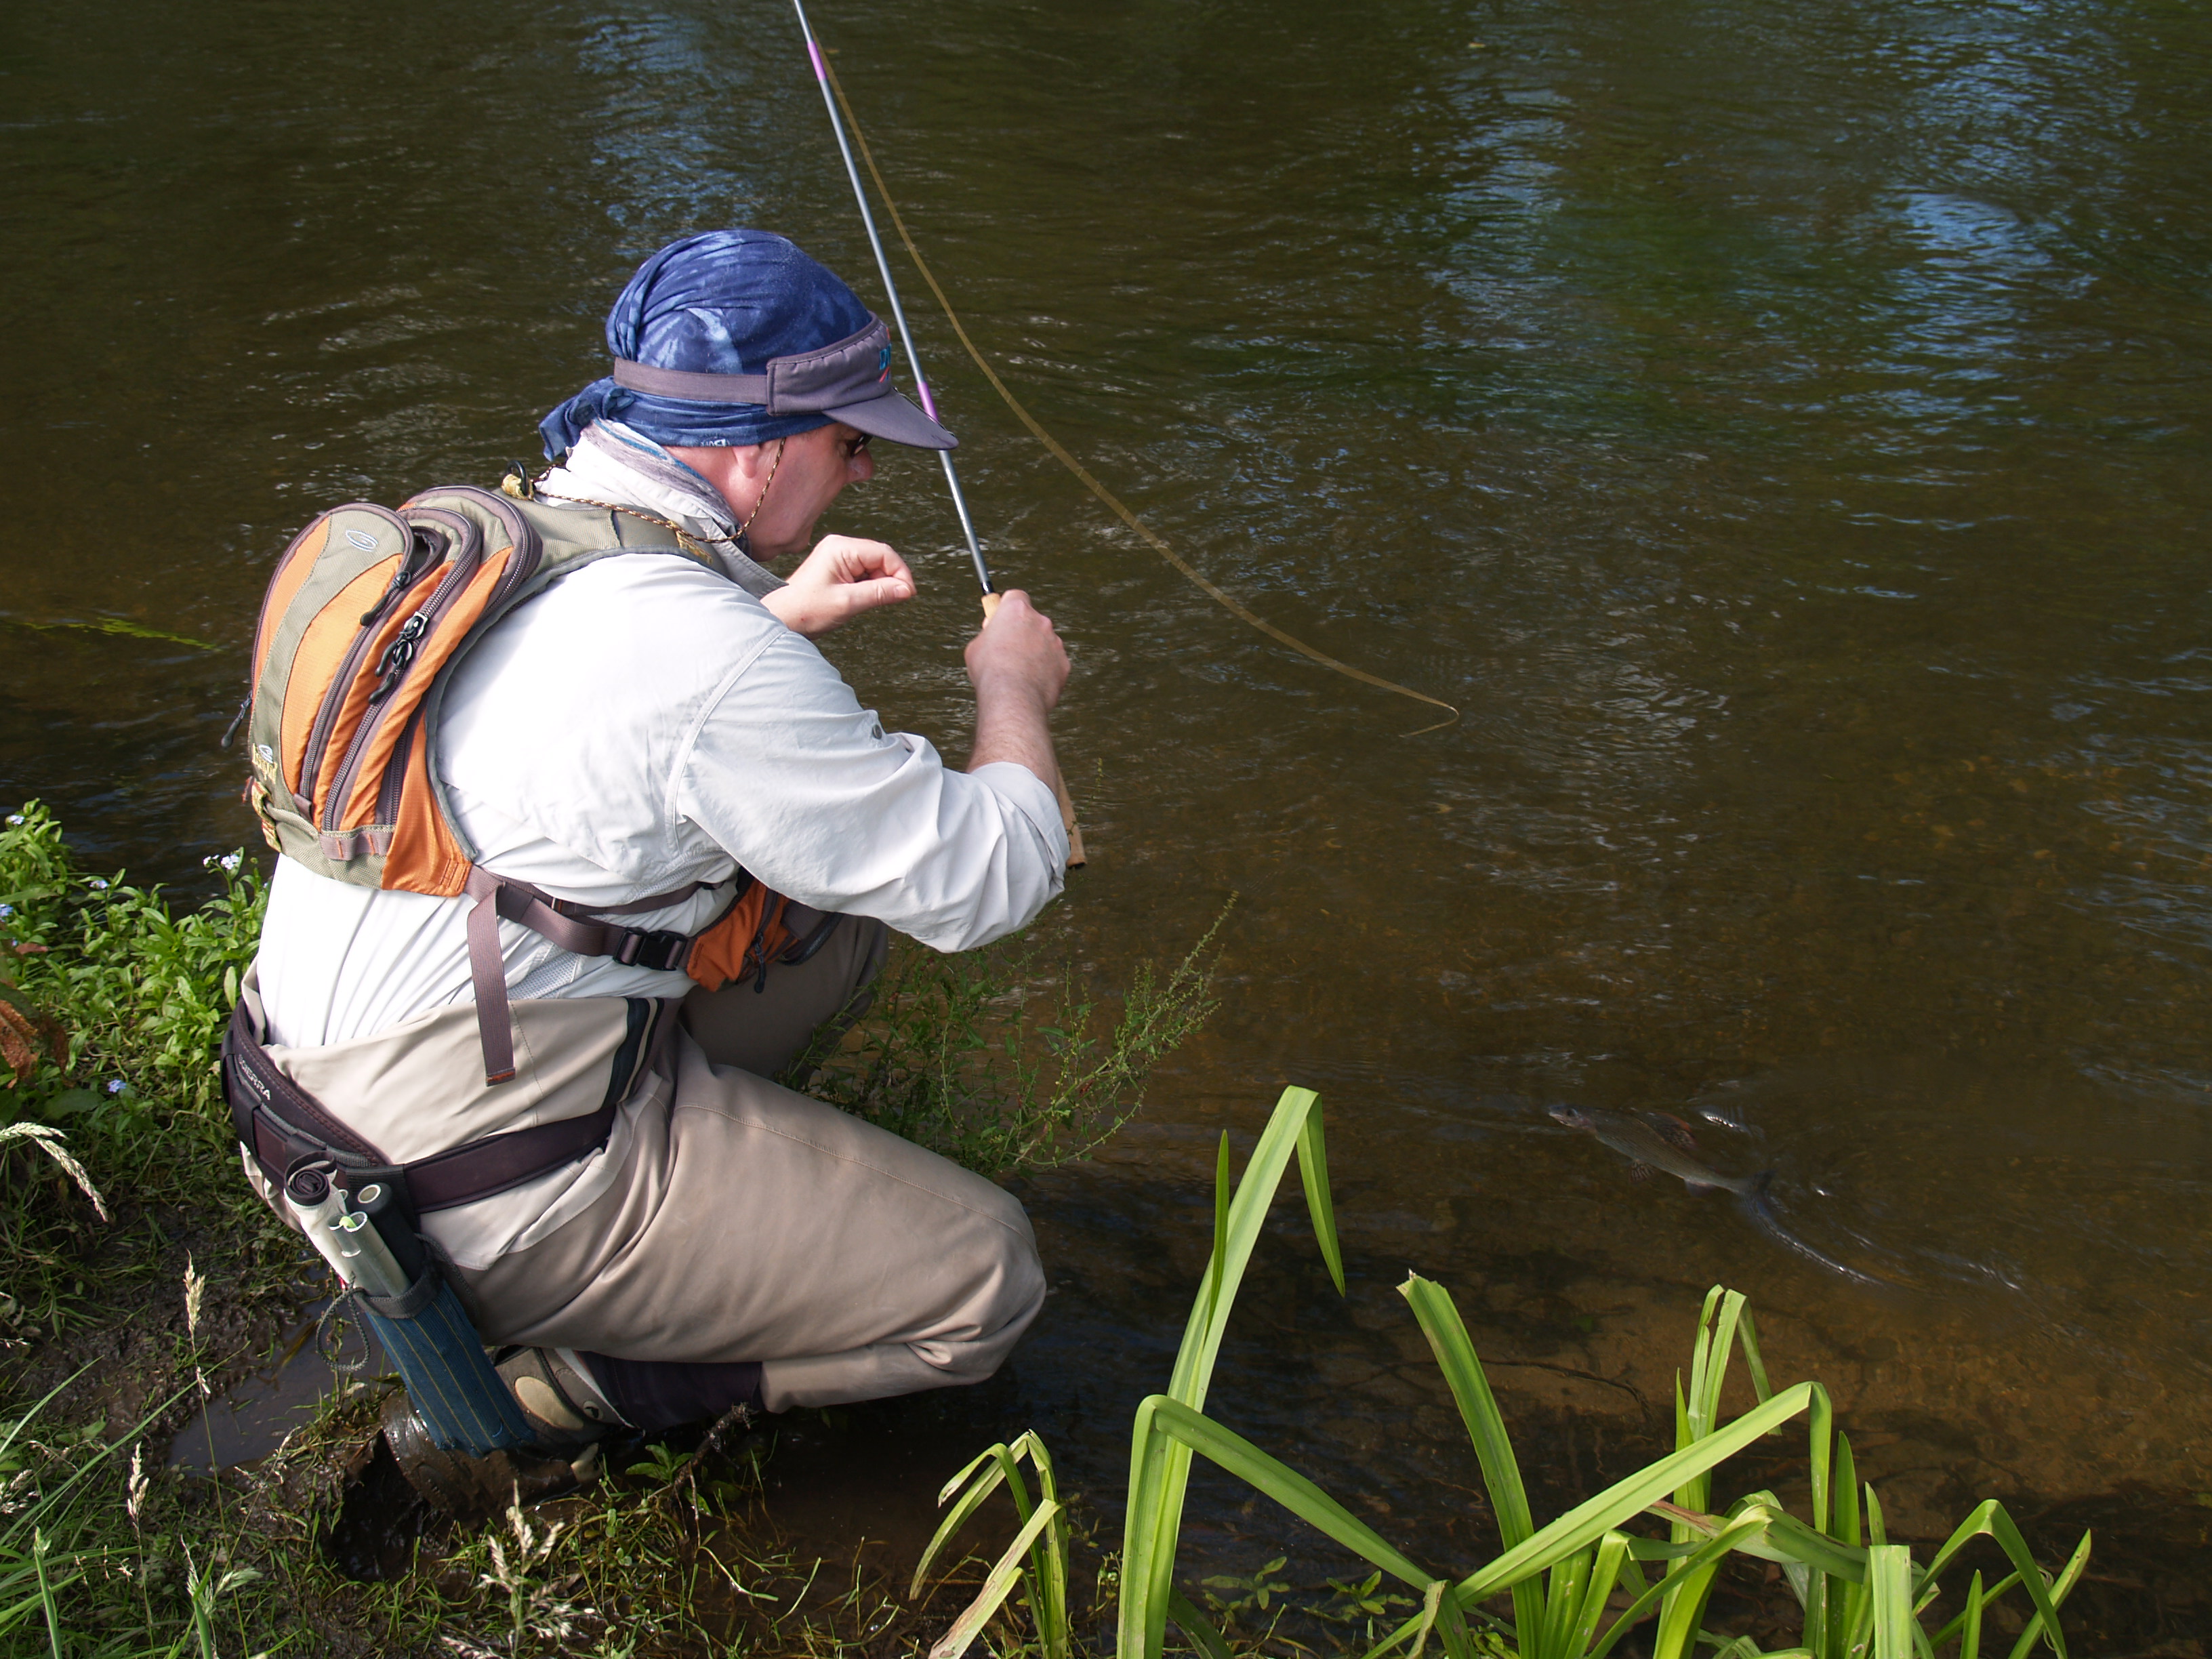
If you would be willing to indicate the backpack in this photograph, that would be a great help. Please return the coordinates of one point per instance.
(366, 614)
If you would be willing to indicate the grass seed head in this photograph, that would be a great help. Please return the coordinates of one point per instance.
(195, 1288)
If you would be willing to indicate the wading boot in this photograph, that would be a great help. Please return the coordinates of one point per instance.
(565, 1411)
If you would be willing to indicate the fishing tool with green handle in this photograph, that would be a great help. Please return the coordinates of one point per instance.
(418, 1321)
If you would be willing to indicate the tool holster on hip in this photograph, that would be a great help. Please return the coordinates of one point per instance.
(362, 1211)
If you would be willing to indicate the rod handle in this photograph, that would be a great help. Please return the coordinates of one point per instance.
(1076, 857)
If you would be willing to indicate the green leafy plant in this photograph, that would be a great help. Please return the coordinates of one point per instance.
(981, 1058)
(141, 993)
(1037, 1561)
(1862, 1596)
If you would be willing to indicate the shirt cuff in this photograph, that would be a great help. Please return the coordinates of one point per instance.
(1033, 796)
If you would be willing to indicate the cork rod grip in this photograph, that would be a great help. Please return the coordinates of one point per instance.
(1075, 854)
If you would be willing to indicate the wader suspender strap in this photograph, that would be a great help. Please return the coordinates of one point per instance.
(280, 1123)
(573, 927)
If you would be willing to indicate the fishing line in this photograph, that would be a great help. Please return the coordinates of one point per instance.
(1059, 451)
(1076, 855)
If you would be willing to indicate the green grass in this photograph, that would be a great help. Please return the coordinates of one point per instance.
(1002, 1064)
(115, 1146)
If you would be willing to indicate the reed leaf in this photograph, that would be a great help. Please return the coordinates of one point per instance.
(1590, 1521)
(981, 1487)
(1048, 1567)
(2042, 1629)
(1970, 1621)
(1989, 1519)
(1703, 1555)
(1194, 1624)
(997, 1584)
(1889, 1588)
(1608, 1564)
(1159, 1466)
(1161, 1416)
(1440, 1322)
(1792, 1541)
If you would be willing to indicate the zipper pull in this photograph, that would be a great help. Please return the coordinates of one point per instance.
(393, 665)
(392, 590)
(245, 707)
(412, 563)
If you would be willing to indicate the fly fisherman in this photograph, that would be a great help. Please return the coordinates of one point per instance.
(646, 762)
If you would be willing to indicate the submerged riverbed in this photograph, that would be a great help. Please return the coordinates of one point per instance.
(1780, 430)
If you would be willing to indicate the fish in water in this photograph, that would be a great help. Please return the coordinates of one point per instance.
(1647, 1145)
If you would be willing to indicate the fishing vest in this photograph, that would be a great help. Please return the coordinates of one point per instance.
(367, 614)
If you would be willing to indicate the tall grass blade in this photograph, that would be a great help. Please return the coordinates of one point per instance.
(1970, 1636)
(1606, 1568)
(1563, 1600)
(1313, 1173)
(1440, 1322)
(2043, 1627)
(1590, 1521)
(1700, 1557)
(1789, 1540)
(1682, 1610)
(1159, 1467)
(1160, 1415)
(46, 1592)
(981, 1487)
(1203, 1636)
(997, 1585)
(1889, 1584)
(1048, 1560)
(1214, 1262)
(1989, 1518)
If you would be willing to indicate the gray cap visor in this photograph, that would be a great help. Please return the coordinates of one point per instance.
(848, 381)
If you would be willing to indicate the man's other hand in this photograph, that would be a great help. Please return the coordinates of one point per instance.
(841, 578)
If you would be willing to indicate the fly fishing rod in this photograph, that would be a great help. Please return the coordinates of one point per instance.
(1075, 856)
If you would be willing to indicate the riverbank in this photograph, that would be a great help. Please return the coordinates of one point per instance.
(140, 1279)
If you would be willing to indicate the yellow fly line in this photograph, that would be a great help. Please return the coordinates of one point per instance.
(1059, 453)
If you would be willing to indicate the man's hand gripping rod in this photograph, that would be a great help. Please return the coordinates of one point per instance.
(1075, 856)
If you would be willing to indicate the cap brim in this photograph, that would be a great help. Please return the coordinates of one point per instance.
(894, 418)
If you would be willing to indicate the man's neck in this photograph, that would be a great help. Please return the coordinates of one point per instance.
(612, 463)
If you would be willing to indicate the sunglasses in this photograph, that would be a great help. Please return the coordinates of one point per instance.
(850, 448)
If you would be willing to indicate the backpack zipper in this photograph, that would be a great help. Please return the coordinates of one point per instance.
(390, 793)
(334, 700)
(393, 666)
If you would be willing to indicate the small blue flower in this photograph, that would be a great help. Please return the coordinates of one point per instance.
(97, 885)
(15, 817)
(230, 862)
(6, 910)
(115, 1085)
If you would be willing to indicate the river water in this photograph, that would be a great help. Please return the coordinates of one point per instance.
(1780, 429)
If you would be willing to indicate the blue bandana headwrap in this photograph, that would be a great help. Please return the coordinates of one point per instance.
(722, 302)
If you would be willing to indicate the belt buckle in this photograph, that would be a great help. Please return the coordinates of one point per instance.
(663, 952)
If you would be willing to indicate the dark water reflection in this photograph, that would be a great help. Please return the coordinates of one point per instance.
(1780, 428)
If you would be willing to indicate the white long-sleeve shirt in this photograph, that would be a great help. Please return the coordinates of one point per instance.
(643, 724)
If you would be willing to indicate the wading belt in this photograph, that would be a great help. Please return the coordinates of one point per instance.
(281, 1125)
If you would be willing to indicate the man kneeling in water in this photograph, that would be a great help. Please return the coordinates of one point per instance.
(659, 728)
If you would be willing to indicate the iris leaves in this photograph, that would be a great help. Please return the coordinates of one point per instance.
(1579, 1583)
